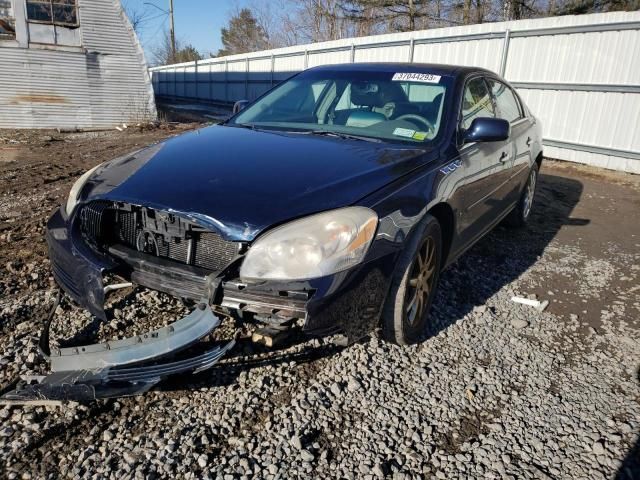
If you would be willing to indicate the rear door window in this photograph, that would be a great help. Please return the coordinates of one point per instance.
(507, 105)
(476, 102)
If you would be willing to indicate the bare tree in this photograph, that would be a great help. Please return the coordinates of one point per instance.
(577, 7)
(398, 15)
(162, 53)
(290, 22)
(280, 22)
(138, 16)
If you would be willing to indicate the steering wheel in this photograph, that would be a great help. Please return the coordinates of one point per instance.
(417, 118)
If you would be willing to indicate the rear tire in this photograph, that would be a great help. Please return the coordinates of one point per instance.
(413, 287)
(519, 216)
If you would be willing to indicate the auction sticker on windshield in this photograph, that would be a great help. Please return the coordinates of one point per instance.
(408, 133)
(415, 77)
(404, 132)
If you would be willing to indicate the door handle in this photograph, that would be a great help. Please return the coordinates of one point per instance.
(528, 141)
(503, 157)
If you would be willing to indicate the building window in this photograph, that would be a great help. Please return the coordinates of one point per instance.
(54, 12)
(7, 22)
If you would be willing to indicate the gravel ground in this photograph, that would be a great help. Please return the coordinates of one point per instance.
(499, 391)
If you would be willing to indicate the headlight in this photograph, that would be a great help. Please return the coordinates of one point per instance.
(75, 190)
(312, 247)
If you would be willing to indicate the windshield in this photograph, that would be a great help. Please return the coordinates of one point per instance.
(384, 105)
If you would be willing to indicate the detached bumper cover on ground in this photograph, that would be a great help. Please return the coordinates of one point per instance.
(123, 367)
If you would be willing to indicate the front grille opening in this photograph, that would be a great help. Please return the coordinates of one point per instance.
(156, 233)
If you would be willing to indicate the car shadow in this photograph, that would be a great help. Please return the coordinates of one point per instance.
(630, 468)
(496, 260)
(505, 253)
(245, 357)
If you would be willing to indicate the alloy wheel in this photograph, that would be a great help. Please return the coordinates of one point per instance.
(421, 280)
(531, 190)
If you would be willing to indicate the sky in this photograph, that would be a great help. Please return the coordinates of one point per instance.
(197, 22)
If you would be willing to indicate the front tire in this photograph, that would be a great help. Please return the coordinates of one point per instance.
(519, 216)
(413, 287)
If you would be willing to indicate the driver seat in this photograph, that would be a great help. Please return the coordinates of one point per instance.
(395, 101)
(369, 100)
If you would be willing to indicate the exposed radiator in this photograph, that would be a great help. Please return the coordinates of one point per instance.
(156, 233)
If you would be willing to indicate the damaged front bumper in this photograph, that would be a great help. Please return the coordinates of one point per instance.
(130, 366)
(348, 302)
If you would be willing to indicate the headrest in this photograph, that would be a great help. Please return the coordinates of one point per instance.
(366, 94)
(373, 94)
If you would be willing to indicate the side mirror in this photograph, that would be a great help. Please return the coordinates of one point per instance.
(487, 130)
(239, 105)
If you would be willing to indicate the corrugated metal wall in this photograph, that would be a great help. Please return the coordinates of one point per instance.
(99, 83)
(579, 74)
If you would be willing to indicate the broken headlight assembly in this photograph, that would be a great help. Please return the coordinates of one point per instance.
(74, 194)
(311, 247)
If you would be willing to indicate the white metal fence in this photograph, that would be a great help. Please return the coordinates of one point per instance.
(579, 74)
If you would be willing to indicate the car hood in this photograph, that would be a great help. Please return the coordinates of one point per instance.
(240, 181)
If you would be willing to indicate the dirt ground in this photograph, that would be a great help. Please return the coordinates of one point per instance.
(583, 215)
(599, 212)
(37, 169)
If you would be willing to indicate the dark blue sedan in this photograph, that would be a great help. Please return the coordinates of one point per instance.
(332, 203)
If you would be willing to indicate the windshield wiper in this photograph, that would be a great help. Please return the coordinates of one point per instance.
(326, 133)
(250, 126)
(346, 136)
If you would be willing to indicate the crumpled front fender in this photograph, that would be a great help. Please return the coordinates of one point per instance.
(76, 268)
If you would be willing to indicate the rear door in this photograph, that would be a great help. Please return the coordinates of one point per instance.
(509, 108)
(483, 164)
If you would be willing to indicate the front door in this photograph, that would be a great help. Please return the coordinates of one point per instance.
(484, 164)
(508, 108)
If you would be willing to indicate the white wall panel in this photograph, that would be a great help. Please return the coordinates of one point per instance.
(473, 53)
(397, 53)
(213, 65)
(599, 57)
(327, 58)
(218, 91)
(237, 66)
(289, 63)
(260, 69)
(591, 118)
(256, 90)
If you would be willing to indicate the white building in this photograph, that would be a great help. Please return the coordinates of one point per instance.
(71, 64)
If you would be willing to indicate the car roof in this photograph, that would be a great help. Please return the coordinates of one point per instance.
(434, 68)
